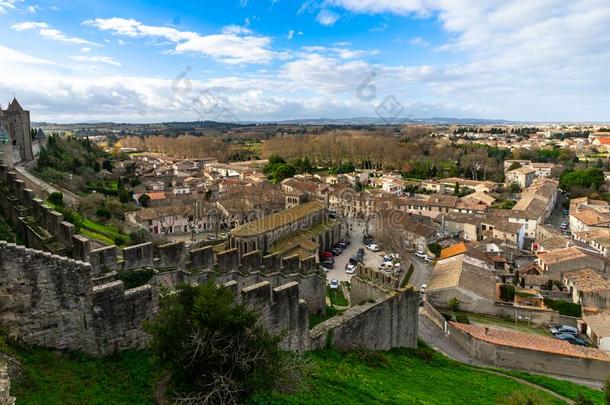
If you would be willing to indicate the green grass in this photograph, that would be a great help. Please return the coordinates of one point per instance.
(315, 319)
(50, 377)
(400, 376)
(505, 323)
(96, 236)
(336, 297)
(565, 388)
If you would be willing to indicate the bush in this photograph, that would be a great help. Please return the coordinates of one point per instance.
(57, 199)
(103, 212)
(461, 318)
(120, 240)
(216, 349)
(454, 304)
(564, 307)
(135, 278)
(507, 292)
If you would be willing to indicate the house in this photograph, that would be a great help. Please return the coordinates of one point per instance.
(464, 226)
(588, 288)
(602, 143)
(598, 330)
(170, 220)
(535, 206)
(392, 185)
(585, 219)
(557, 262)
(523, 176)
(456, 277)
(454, 250)
(480, 197)
(500, 228)
(598, 239)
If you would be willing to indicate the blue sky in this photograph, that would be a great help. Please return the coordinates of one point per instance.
(151, 61)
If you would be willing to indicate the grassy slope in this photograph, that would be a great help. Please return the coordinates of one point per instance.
(399, 376)
(53, 378)
(346, 378)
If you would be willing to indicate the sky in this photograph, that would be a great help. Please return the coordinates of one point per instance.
(267, 60)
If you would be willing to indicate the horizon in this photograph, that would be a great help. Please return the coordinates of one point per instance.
(274, 61)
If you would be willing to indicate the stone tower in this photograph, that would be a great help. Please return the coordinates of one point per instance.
(16, 121)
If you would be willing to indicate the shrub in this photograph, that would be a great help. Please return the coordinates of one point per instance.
(135, 278)
(119, 240)
(216, 349)
(564, 307)
(371, 358)
(507, 292)
(103, 212)
(582, 400)
(57, 199)
(461, 318)
(454, 304)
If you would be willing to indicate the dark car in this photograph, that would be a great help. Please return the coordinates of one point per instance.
(360, 251)
(568, 337)
(336, 251)
(355, 260)
(345, 242)
(328, 263)
(366, 239)
(559, 329)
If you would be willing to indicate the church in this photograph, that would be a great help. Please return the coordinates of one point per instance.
(19, 143)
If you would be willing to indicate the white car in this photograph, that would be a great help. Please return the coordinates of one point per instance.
(373, 247)
(420, 254)
(428, 259)
(422, 289)
(350, 269)
(334, 284)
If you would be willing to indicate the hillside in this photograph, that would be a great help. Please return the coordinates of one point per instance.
(398, 376)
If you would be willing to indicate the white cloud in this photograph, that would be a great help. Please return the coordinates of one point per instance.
(85, 50)
(234, 45)
(96, 59)
(33, 8)
(290, 34)
(46, 31)
(419, 41)
(6, 5)
(14, 57)
(327, 17)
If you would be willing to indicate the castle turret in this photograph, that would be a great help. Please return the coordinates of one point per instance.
(16, 121)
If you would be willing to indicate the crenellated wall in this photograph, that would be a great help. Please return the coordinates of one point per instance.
(50, 301)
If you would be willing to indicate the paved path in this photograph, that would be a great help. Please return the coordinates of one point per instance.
(69, 197)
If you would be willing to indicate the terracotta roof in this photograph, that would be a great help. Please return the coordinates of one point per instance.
(560, 255)
(530, 341)
(157, 195)
(590, 217)
(599, 323)
(454, 250)
(277, 220)
(604, 141)
(456, 272)
(588, 280)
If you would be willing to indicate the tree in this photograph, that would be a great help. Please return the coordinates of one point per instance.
(144, 200)
(454, 304)
(107, 165)
(607, 391)
(56, 199)
(216, 349)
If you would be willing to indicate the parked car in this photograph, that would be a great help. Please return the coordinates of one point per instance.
(564, 225)
(428, 259)
(422, 289)
(557, 329)
(211, 237)
(336, 251)
(350, 268)
(223, 235)
(328, 253)
(334, 284)
(344, 242)
(367, 239)
(420, 254)
(575, 340)
(566, 212)
(355, 260)
(328, 264)
(373, 247)
(360, 251)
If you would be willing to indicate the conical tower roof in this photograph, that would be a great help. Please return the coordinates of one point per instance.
(14, 106)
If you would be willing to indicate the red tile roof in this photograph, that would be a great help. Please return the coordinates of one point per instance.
(529, 341)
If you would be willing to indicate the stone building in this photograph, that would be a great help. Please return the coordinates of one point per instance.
(16, 122)
(298, 230)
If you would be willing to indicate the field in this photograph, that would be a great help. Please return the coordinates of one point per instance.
(400, 376)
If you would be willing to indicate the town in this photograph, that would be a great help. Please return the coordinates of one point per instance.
(500, 257)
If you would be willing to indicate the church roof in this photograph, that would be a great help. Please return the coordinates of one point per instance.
(14, 106)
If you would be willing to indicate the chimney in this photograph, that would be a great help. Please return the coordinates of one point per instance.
(486, 331)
